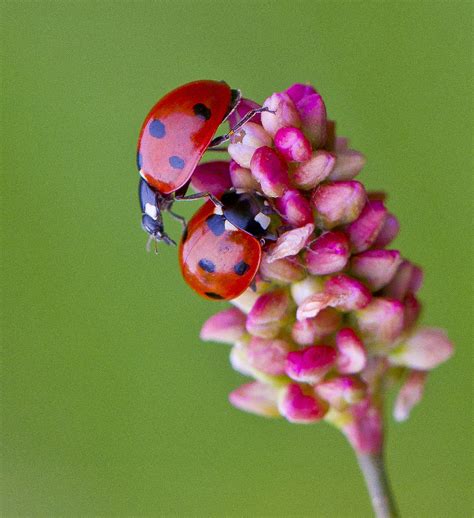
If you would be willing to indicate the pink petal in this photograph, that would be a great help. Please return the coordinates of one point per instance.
(312, 305)
(376, 267)
(347, 294)
(352, 356)
(364, 231)
(298, 407)
(211, 177)
(342, 391)
(409, 395)
(246, 141)
(388, 233)
(412, 310)
(312, 172)
(290, 243)
(268, 314)
(285, 270)
(311, 364)
(365, 430)
(226, 326)
(407, 279)
(256, 398)
(328, 253)
(292, 145)
(308, 331)
(425, 349)
(244, 106)
(268, 356)
(270, 171)
(285, 114)
(294, 208)
(242, 178)
(382, 320)
(301, 290)
(338, 203)
(348, 165)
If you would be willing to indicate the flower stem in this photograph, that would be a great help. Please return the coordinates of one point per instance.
(373, 469)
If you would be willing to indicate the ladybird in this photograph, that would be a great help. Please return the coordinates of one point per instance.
(177, 132)
(221, 248)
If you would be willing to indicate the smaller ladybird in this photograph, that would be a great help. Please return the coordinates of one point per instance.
(221, 250)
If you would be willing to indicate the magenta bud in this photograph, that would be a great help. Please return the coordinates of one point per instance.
(294, 208)
(410, 394)
(388, 232)
(268, 356)
(301, 407)
(342, 391)
(364, 231)
(256, 398)
(339, 203)
(246, 141)
(365, 429)
(306, 287)
(376, 267)
(290, 243)
(226, 326)
(292, 145)
(412, 310)
(312, 111)
(312, 172)
(270, 171)
(407, 279)
(241, 110)
(284, 113)
(211, 177)
(425, 349)
(328, 253)
(348, 165)
(285, 270)
(382, 321)
(310, 330)
(268, 314)
(352, 356)
(242, 178)
(311, 364)
(347, 293)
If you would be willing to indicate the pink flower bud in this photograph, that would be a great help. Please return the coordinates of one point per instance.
(242, 177)
(365, 430)
(410, 394)
(412, 310)
(407, 279)
(381, 321)
(347, 294)
(267, 356)
(246, 141)
(298, 407)
(241, 110)
(425, 349)
(270, 171)
(285, 270)
(365, 229)
(290, 243)
(245, 301)
(294, 208)
(256, 398)
(328, 254)
(285, 114)
(342, 391)
(388, 233)
(311, 364)
(312, 111)
(268, 314)
(348, 165)
(339, 203)
(310, 330)
(376, 267)
(312, 172)
(292, 145)
(312, 305)
(226, 326)
(211, 177)
(303, 289)
(352, 356)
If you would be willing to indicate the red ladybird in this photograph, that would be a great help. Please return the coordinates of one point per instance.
(220, 251)
(177, 132)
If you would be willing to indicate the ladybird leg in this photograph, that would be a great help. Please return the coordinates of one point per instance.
(178, 217)
(198, 196)
(224, 138)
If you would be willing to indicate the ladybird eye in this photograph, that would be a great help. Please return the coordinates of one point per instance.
(202, 111)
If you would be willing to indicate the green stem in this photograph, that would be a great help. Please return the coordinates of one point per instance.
(373, 469)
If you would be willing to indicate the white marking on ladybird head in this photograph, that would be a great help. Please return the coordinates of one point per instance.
(151, 210)
(218, 210)
(228, 226)
(263, 220)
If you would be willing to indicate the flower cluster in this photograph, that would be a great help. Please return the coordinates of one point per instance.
(333, 320)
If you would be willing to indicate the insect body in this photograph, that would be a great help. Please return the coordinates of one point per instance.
(220, 251)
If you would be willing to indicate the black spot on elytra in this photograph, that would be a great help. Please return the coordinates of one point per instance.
(213, 295)
(157, 129)
(207, 265)
(241, 267)
(202, 111)
(176, 162)
(216, 224)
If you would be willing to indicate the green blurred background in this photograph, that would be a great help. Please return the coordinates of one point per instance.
(111, 405)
